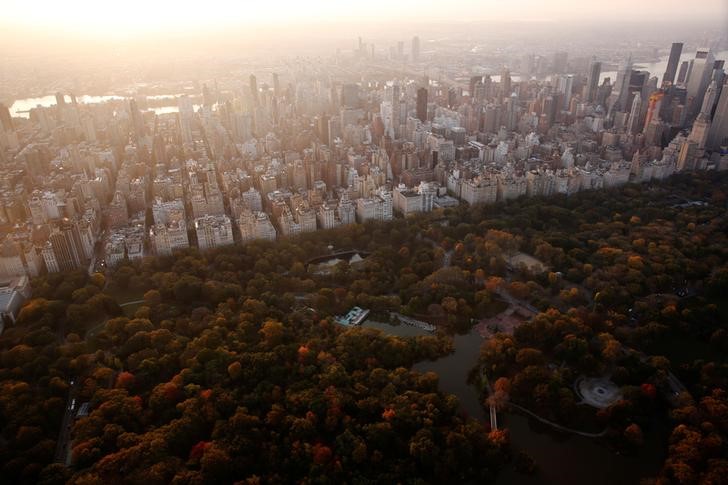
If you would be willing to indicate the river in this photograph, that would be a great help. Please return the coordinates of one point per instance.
(563, 459)
(21, 107)
(658, 68)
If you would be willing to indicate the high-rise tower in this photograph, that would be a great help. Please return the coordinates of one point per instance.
(699, 79)
(415, 48)
(254, 89)
(672, 63)
(592, 81)
(422, 104)
(718, 133)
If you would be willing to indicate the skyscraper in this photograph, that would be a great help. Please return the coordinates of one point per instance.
(624, 76)
(566, 85)
(560, 62)
(633, 123)
(415, 48)
(137, 120)
(653, 108)
(276, 86)
(213, 231)
(396, 111)
(60, 105)
(592, 81)
(6, 121)
(709, 100)
(65, 249)
(505, 83)
(254, 89)
(422, 104)
(672, 63)
(683, 72)
(718, 134)
(699, 79)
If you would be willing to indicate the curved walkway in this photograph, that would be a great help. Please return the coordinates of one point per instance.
(558, 426)
(135, 302)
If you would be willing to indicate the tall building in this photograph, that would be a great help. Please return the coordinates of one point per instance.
(592, 81)
(422, 104)
(565, 87)
(288, 224)
(672, 62)
(326, 216)
(406, 201)
(166, 211)
(306, 218)
(252, 199)
(64, 249)
(560, 62)
(699, 79)
(345, 209)
(633, 123)
(682, 74)
(6, 121)
(624, 76)
(718, 134)
(168, 237)
(254, 89)
(323, 129)
(255, 225)
(505, 83)
(700, 130)
(653, 107)
(415, 48)
(709, 100)
(213, 231)
(378, 207)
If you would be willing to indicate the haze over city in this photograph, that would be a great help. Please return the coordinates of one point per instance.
(364, 242)
(28, 26)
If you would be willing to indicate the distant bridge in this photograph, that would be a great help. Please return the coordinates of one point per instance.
(484, 382)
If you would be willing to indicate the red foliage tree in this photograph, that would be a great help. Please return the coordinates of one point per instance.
(125, 380)
(198, 450)
(321, 454)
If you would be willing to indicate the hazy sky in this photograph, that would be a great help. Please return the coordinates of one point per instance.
(133, 17)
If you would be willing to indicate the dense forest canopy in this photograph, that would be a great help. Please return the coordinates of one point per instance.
(230, 367)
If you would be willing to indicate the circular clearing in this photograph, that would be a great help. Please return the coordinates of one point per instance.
(598, 392)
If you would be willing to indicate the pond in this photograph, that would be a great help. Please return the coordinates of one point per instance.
(400, 330)
(563, 459)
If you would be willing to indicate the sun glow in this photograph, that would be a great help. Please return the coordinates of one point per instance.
(130, 17)
(127, 18)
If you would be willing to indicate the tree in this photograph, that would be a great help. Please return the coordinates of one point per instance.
(272, 332)
(633, 434)
(98, 280)
(125, 380)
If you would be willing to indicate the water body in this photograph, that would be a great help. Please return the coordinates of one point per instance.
(400, 330)
(453, 370)
(567, 459)
(562, 459)
(658, 68)
(21, 107)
